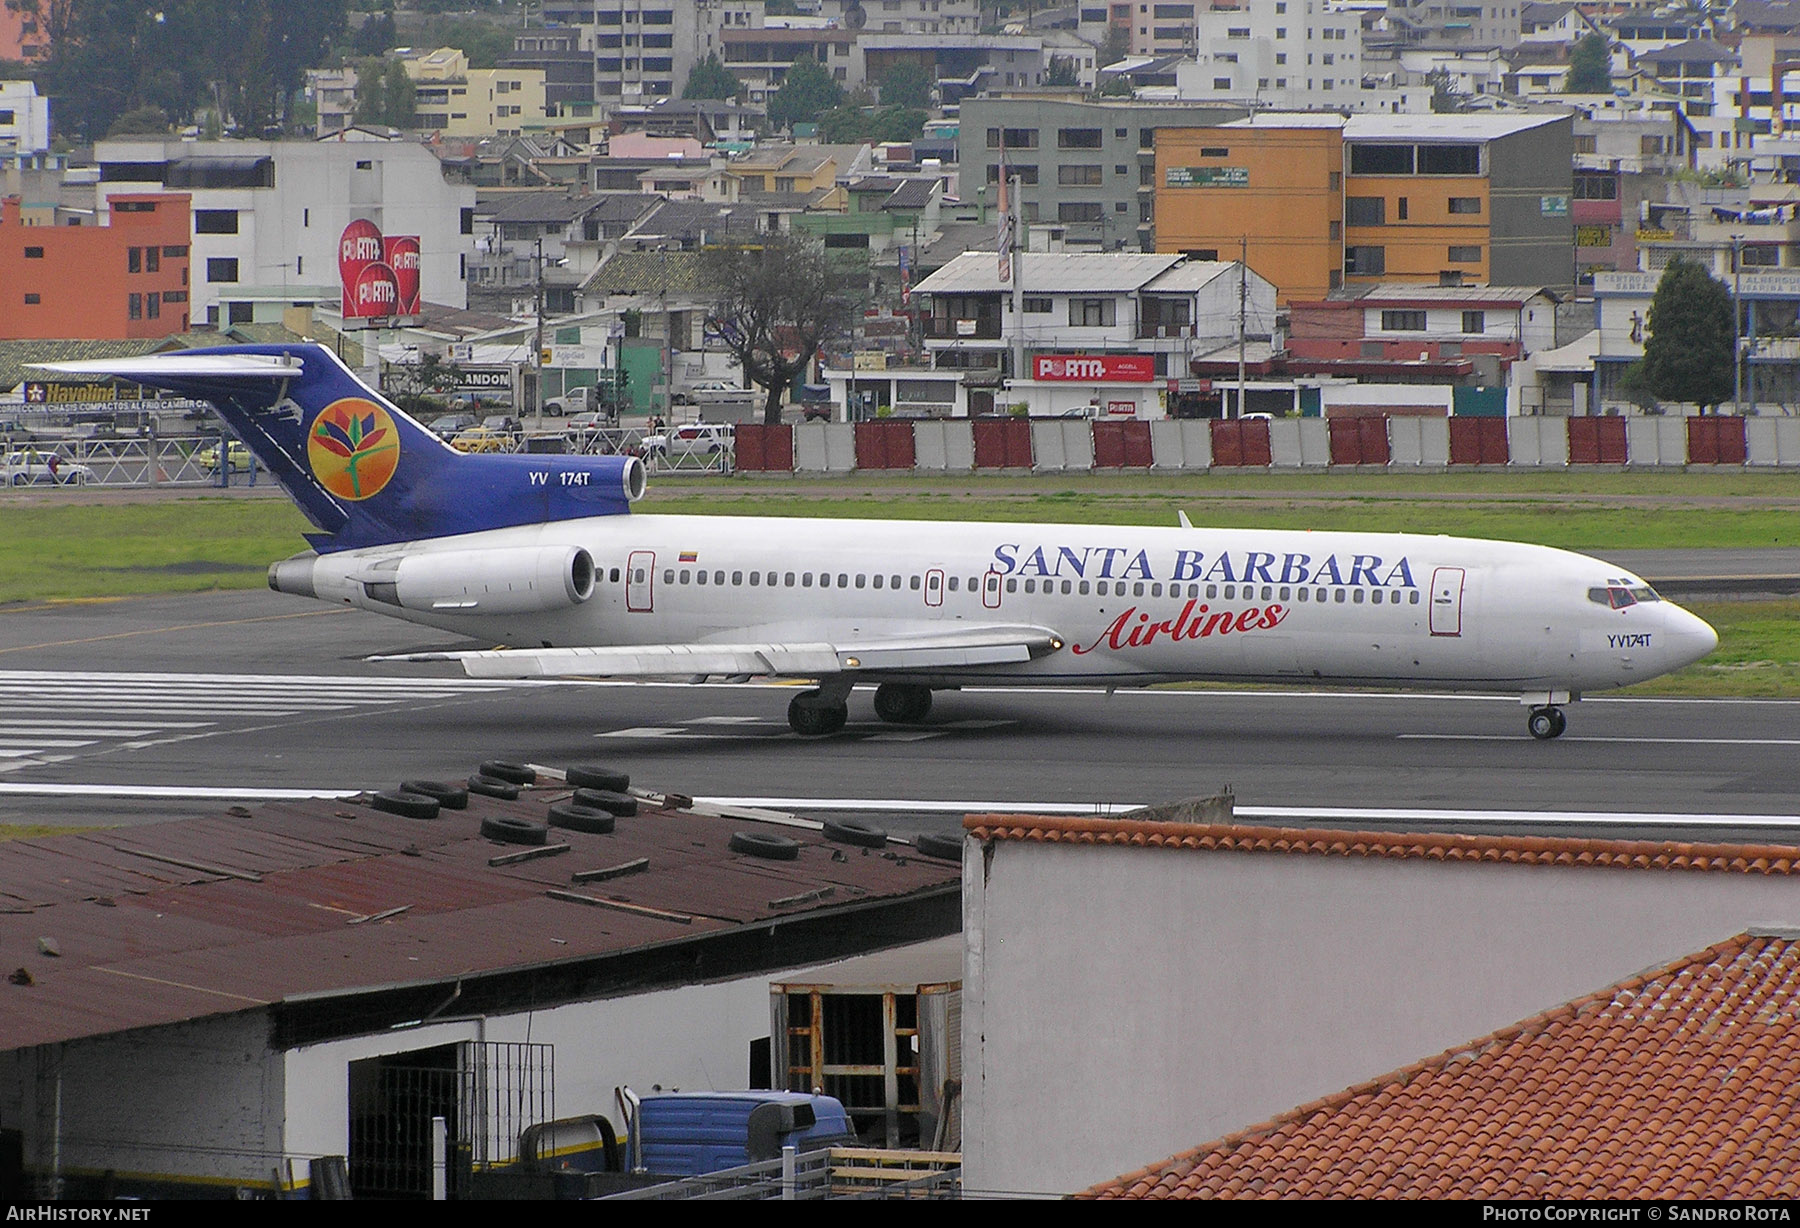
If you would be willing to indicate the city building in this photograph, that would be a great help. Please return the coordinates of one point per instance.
(1087, 164)
(567, 65)
(267, 215)
(1102, 330)
(644, 49)
(455, 100)
(124, 278)
(22, 35)
(24, 124)
(1320, 201)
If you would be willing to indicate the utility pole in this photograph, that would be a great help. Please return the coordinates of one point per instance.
(537, 344)
(1018, 291)
(1243, 304)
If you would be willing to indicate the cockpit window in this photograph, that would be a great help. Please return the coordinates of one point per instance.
(1618, 594)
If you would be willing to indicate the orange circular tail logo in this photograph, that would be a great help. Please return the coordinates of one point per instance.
(353, 448)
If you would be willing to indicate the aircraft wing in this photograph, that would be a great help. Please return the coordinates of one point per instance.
(968, 646)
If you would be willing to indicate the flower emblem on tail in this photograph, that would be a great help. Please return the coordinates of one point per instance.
(353, 448)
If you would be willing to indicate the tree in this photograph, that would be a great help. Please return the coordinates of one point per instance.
(1061, 71)
(711, 79)
(142, 121)
(1590, 67)
(374, 36)
(776, 302)
(1688, 353)
(385, 95)
(907, 84)
(1116, 46)
(1445, 96)
(806, 93)
(853, 125)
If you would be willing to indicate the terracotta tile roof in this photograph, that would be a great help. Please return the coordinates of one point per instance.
(1682, 1082)
(1431, 846)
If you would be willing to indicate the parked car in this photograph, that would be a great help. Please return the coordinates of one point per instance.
(483, 438)
(32, 468)
(446, 426)
(694, 439)
(237, 454)
(713, 392)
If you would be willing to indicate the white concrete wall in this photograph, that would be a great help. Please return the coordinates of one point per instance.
(1422, 442)
(1062, 444)
(1772, 441)
(1123, 1004)
(940, 446)
(1538, 442)
(1656, 441)
(824, 447)
(200, 1100)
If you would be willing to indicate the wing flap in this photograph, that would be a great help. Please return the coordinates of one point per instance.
(929, 651)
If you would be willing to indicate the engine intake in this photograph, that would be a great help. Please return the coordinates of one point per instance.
(524, 581)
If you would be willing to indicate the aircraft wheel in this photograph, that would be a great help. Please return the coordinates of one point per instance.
(1546, 723)
(902, 703)
(810, 716)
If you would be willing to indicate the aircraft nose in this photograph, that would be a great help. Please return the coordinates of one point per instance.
(1692, 636)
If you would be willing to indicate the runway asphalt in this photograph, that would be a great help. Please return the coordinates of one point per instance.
(102, 703)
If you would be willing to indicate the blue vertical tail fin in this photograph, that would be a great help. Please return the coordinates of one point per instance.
(361, 470)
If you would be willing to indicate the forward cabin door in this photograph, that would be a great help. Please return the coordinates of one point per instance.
(640, 582)
(1446, 601)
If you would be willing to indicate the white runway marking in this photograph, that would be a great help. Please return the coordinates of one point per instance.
(48, 715)
(1501, 737)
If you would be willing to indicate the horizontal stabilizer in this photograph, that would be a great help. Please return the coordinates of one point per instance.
(971, 646)
(152, 368)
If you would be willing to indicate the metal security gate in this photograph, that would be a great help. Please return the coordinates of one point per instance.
(486, 1093)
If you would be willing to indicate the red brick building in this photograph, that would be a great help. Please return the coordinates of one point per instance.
(124, 280)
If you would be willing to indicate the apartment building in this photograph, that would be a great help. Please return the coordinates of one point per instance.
(1319, 201)
(123, 279)
(1088, 165)
(458, 101)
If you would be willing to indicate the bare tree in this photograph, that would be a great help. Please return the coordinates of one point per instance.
(778, 299)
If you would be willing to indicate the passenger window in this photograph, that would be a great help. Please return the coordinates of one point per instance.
(1212, 591)
(954, 580)
(1375, 596)
(700, 577)
(615, 575)
(878, 580)
(685, 575)
(1358, 599)
(755, 578)
(893, 582)
(1230, 592)
(1340, 597)
(789, 582)
(1284, 594)
(915, 584)
(1268, 593)
(843, 580)
(806, 579)
(1031, 586)
(1084, 588)
(1012, 586)
(1415, 596)
(669, 576)
(1067, 586)
(1137, 590)
(861, 580)
(737, 578)
(718, 577)
(1303, 593)
(639, 575)
(1156, 590)
(1320, 597)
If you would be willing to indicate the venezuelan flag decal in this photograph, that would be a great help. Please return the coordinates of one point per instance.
(353, 448)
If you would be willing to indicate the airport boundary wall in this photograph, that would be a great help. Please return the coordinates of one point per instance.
(1353, 444)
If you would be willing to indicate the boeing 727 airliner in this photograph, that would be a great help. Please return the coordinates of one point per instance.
(542, 553)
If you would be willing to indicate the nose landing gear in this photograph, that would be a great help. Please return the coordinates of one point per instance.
(1546, 723)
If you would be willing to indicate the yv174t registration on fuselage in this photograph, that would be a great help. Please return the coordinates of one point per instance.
(543, 553)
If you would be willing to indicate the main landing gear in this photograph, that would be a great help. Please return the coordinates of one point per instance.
(1546, 722)
(822, 711)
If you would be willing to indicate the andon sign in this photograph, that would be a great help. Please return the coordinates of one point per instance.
(1094, 368)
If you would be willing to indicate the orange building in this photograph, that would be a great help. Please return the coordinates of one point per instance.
(126, 280)
(1323, 201)
(22, 36)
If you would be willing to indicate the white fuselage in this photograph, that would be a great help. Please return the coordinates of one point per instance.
(1131, 605)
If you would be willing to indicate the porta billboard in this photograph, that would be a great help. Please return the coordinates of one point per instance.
(379, 276)
(1094, 368)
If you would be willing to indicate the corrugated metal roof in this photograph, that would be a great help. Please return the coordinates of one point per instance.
(1492, 296)
(167, 922)
(1061, 272)
(1188, 276)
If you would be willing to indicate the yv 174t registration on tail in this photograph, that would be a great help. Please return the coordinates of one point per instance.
(543, 553)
